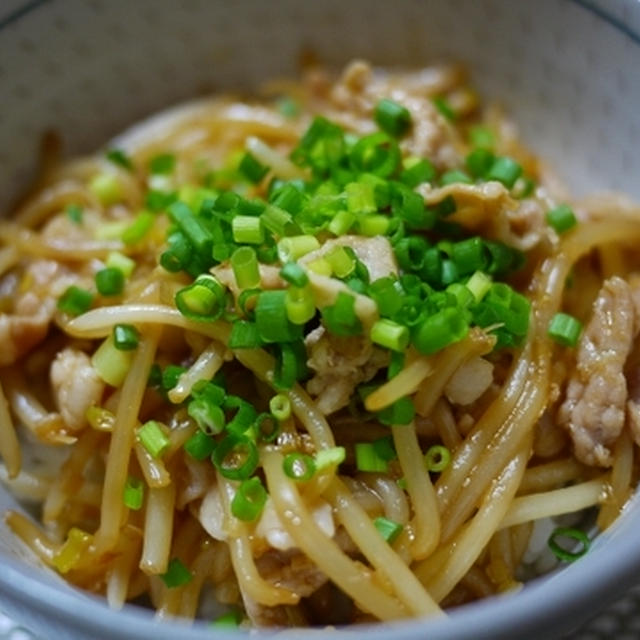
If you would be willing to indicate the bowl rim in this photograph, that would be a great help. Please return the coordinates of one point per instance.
(549, 605)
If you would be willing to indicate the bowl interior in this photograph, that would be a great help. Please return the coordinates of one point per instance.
(563, 68)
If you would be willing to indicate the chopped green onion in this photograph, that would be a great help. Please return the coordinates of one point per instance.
(401, 411)
(171, 375)
(267, 427)
(139, 228)
(416, 171)
(279, 221)
(245, 414)
(162, 163)
(360, 198)
(73, 549)
(340, 318)
(75, 301)
(341, 222)
(203, 300)
(294, 247)
(505, 170)
(391, 117)
(320, 266)
(272, 320)
(454, 176)
(177, 575)
(479, 284)
(251, 168)
(396, 364)
(280, 407)
(445, 109)
(117, 260)
(249, 500)
(133, 494)
(479, 162)
(390, 334)
(111, 364)
(158, 200)
(388, 529)
(367, 458)
(470, 255)
(109, 281)
(153, 438)
(342, 263)
(74, 213)
(247, 230)
(384, 448)
(192, 227)
(299, 466)
(200, 445)
(245, 268)
(482, 137)
(561, 218)
(409, 206)
(206, 411)
(332, 457)
(439, 330)
(287, 369)
(244, 335)
(294, 274)
(231, 619)
(376, 153)
(125, 337)
(374, 225)
(300, 305)
(120, 158)
(437, 458)
(387, 294)
(571, 534)
(565, 329)
(106, 188)
(236, 457)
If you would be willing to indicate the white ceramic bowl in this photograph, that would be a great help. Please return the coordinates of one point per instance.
(566, 69)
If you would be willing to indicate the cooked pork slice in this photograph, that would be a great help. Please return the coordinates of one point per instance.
(27, 323)
(341, 364)
(76, 386)
(594, 409)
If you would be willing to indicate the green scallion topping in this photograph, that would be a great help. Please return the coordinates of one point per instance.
(162, 163)
(391, 117)
(133, 494)
(119, 158)
(236, 457)
(75, 301)
(203, 300)
(244, 335)
(294, 274)
(109, 281)
(437, 458)
(153, 438)
(249, 500)
(561, 218)
(247, 230)
(74, 213)
(390, 334)
(245, 268)
(367, 458)
(388, 529)
(569, 534)
(299, 466)
(200, 445)
(125, 337)
(565, 329)
(177, 575)
(280, 407)
(251, 168)
(332, 457)
(504, 170)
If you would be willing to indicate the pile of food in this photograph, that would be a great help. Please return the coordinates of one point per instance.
(334, 355)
